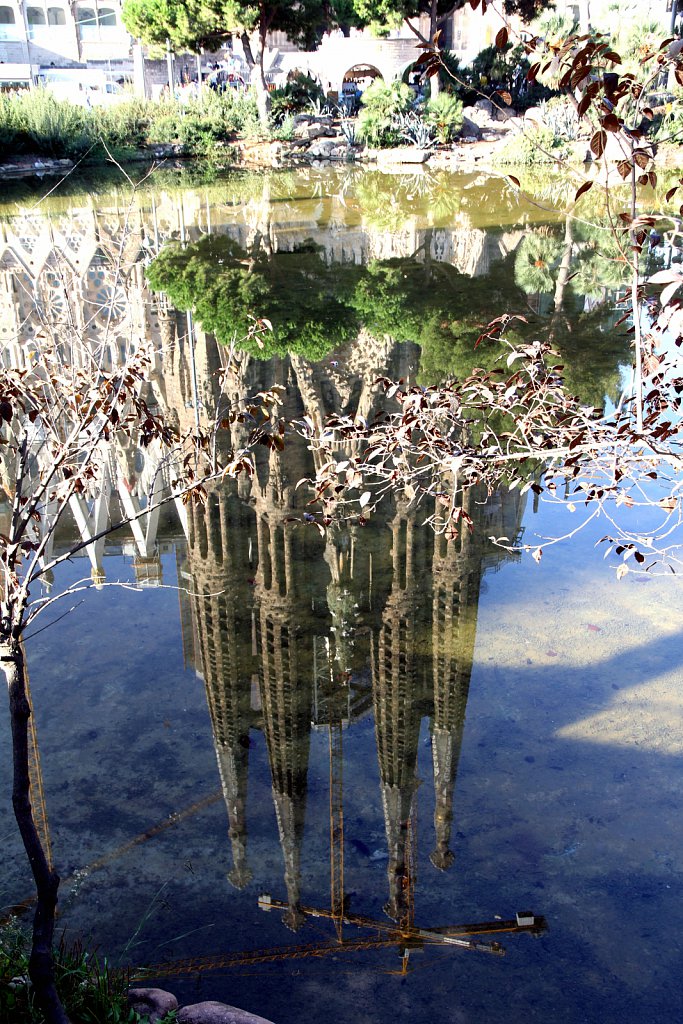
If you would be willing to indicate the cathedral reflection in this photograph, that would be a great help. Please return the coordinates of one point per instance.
(287, 627)
(295, 630)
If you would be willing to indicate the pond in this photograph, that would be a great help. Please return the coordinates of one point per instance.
(442, 732)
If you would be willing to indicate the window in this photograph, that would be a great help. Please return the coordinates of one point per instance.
(35, 16)
(56, 16)
(86, 16)
(92, 20)
(7, 16)
(86, 23)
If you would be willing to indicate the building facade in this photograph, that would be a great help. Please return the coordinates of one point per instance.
(43, 34)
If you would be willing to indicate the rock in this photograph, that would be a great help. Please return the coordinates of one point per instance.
(217, 1013)
(154, 1003)
(305, 119)
(478, 115)
(485, 106)
(311, 131)
(470, 129)
(533, 115)
(502, 112)
(325, 149)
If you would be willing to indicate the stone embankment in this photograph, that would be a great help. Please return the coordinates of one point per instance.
(156, 1003)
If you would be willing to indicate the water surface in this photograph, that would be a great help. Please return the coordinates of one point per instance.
(511, 733)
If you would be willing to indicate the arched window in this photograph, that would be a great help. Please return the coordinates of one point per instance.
(56, 16)
(86, 19)
(107, 17)
(86, 16)
(7, 16)
(35, 15)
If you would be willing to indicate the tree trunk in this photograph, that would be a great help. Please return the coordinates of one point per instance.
(258, 78)
(41, 963)
(564, 272)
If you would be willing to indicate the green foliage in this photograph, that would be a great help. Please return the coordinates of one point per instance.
(391, 296)
(444, 114)
(592, 352)
(554, 26)
(126, 124)
(536, 145)
(392, 12)
(381, 103)
(90, 991)
(230, 290)
(193, 24)
(299, 92)
(536, 262)
(203, 124)
(188, 24)
(669, 121)
(284, 132)
(505, 69)
(559, 115)
(36, 122)
(493, 64)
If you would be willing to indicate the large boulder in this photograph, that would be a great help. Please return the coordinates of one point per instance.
(403, 155)
(153, 1003)
(300, 119)
(312, 131)
(217, 1013)
(470, 129)
(485, 106)
(480, 115)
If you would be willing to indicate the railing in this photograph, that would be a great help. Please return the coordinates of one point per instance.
(11, 33)
(101, 33)
(53, 35)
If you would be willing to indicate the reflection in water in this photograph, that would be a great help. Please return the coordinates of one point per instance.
(289, 628)
(283, 649)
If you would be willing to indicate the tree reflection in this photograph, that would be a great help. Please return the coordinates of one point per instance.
(230, 289)
(316, 307)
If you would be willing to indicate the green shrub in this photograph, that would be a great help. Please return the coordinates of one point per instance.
(444, 114)
(284, 132)
(299, 92)
(126, 124)
(165, 126)
(561, 117)
(39, 124)
(46, 126)
(537, 145)
(382, 102)
(8, 127)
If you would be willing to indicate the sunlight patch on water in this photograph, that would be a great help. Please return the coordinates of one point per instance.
(648, 717)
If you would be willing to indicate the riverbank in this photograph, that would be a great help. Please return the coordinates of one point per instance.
(490, 139)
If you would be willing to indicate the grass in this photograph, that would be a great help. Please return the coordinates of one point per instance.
(92, 992)
(38, 124)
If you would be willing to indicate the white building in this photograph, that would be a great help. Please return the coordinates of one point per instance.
(40, 34)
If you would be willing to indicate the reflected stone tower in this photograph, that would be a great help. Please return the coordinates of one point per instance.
(219, 561)
(288, 615)
(457, 569)
(399, 672)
